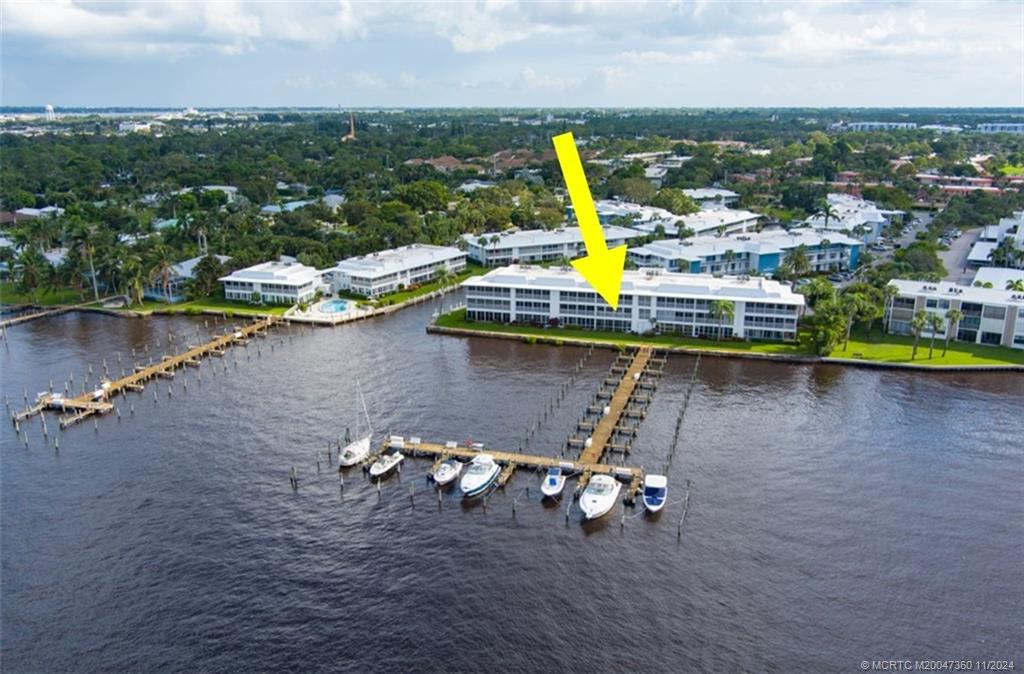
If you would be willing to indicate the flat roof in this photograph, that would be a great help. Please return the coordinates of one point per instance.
(998, 276)
(385, 262)
(947, 290)
(758, 243)
(701, 221)
(981, 251)
(702, 193)
(643, 282)
(545, 237)
(284, 273)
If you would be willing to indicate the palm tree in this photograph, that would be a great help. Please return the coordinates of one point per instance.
(1005, 254)
(953, 318)
(161, 267)
(1016, 285)
(33, 271)
(917, 324)
(827, 211)
(853, 305)
(889, 294)
(935, 323)
(134, 276)
(722, 310)
(730, 256)
(796, 259)
(82, 237)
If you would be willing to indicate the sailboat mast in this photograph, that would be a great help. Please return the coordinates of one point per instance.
(362, 399)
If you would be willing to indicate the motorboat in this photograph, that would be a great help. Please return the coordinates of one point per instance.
(554, 482)
(655, 492)
(385, 463)
(356, 452)
(447, 472)
(481, 474)
(599, 496)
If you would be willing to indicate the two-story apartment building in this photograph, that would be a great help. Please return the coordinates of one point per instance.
(757, 252)
(391, 270)
(651, 300)
(276, 282)
(990, 315)
(537, 245)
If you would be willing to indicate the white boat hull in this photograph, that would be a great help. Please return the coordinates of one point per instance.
(653, 507)
(655, 492)
(447, 472)
(386, 464)
(594, 504)
(475, 483)
(354, 452)
(552, 488)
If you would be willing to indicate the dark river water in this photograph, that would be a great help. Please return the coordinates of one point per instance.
(835, 515)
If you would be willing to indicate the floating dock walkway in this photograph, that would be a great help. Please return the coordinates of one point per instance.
(98, 401)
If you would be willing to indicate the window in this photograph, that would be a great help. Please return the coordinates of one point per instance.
(998, 313)
(993, 338)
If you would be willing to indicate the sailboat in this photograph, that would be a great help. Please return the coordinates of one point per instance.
(357, 451)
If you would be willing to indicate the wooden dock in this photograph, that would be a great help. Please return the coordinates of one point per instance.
(25, 318)
(98, 400)
(511, 460)
(609, 423)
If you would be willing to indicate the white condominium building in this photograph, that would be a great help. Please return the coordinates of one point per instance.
(650, 301)
(756, 252)
(388, 271)
(858, 217)
(277, 282)
(703, 195)
(879, 126)
(1001, 128)
(536, 245)
(649, 218)
(990, 315)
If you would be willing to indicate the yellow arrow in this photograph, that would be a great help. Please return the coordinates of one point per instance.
(601, 267)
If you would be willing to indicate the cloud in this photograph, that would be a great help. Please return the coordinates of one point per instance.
(366, 80)
(494, 52)
(300, 82)
(611, 76)
(412, 81)
(163, 29)
(531, 79)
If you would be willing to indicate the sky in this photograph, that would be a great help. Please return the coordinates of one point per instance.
(508, 54)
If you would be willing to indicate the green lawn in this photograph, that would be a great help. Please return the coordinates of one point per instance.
(9, 294)
(896, 349)
(1012, 170)
(457, 319)
(218, 304)
(879, 348)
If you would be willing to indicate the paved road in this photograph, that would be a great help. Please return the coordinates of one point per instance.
(955, 258)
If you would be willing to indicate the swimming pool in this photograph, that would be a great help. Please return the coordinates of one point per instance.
(334, 306)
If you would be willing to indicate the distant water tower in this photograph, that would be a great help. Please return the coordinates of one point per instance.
(50, 114)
